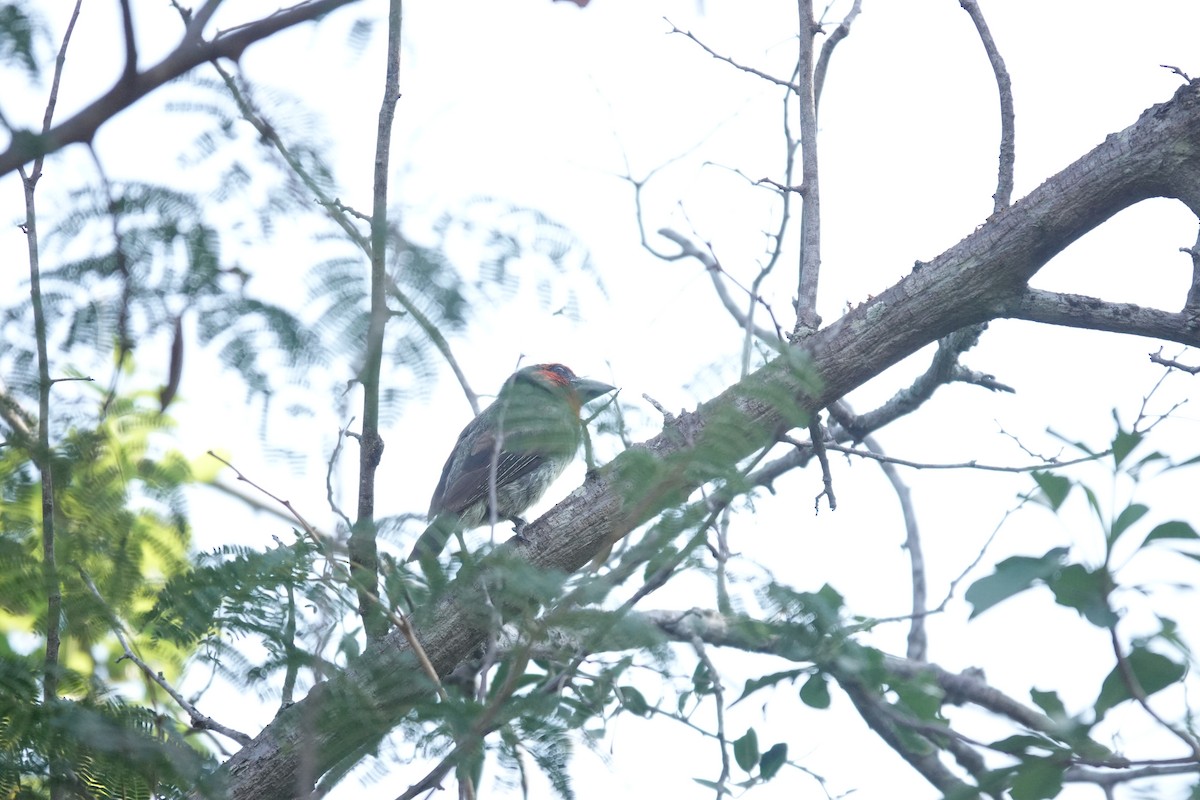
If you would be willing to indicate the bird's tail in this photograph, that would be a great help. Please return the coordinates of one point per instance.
(432, 542)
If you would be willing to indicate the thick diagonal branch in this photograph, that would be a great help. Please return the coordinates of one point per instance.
(132, 85)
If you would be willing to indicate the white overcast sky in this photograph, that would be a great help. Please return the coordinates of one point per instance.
(545, 105)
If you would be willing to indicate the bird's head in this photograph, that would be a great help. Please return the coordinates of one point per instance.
(559, 379)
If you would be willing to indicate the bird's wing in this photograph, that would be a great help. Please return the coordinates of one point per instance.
(472, 471)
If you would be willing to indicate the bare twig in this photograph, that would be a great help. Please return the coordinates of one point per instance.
(807, 319)
(1008, 151)
(364, 555)
(333, 457)
(719, 698)
(943, 368)
(1177, 71)
(1158, 358)
(1139, 694)
(42, 456)
(918, 642)
(1050, 463)
(751, 70)
(190, 53)
(199, 721)
(709, 262)
(317, 539)
(1191, 307)
(839, 33)
(818, 448)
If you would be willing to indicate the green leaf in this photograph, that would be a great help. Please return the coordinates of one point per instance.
(1152, 671)
(1048, 702)
(1175, 529)
(702, 679)
(1037, 779)
(815, 692)
(922, 696)
(1094, 502)
(1123, 444)
(762, 682)
(1020, 744)
(1055, 488)
(1077, 587)
(745, 750)
(1012, 576)
(633, 701)
(772, 760)
(1131, 514)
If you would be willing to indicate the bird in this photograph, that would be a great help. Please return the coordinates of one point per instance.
(512, 451)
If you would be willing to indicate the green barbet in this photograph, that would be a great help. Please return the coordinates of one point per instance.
(512, 451)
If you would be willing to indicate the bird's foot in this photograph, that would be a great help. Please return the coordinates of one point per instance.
(519, 526)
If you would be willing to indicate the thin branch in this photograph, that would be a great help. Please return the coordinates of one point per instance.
(818, 448)
(1080, 774)
(439, 341)
(1158, 358)
(1008, 149)
(839, 33)
(43, 456)
(807, 319)
(1049, 463)
(333, 457)
(320, 541)
(364, 555)
(199, 721)
(943, 369)
(1191, 307)
(190, 53)
(1079, 311)
(131, 53)
(918, 641)
(198, 20)
(1139, 694)
(751, 70)
(918, 752)
(689, 248)
(719, 698)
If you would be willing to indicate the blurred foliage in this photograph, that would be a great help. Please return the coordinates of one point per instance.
(1144, 664)
(20, 32)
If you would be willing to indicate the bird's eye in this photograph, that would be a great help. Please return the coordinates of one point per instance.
(561, 371)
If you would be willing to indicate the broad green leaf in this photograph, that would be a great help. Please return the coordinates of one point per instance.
(922, 697)
(1037, 779)
(1048, 702)
(1055, 488)
(1020, 744)
(1131, 514)
(1123, 444)
(1152, 671)
(745, 750)
(1077, 587)
(1013, 576)
(815, 692)
(1175, 529)
(633, 701)
(772, 760)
